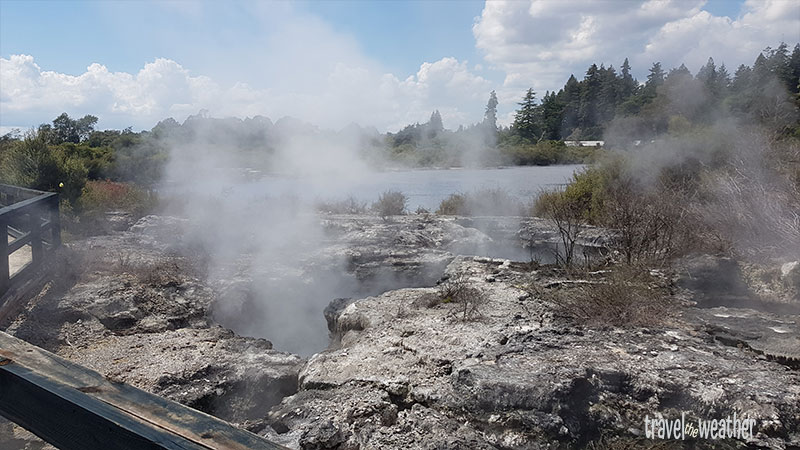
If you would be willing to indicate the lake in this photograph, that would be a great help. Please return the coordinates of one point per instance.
(423, 187)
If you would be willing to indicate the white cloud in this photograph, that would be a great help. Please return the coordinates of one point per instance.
(163, 88)
(539, 43)
(292, 64)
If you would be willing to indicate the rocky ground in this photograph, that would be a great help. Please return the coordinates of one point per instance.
(414, 368)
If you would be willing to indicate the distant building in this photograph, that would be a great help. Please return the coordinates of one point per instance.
(584, 143)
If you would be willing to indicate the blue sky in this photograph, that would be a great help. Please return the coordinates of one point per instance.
(67, 36)
(395, 60)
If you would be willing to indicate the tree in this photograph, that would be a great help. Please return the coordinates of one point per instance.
(794, 69)
(654, 79)
(609, 95)
(526, 120)
(589, 114)
(490, 116)
(627, 83)
(552, 111)
(741, 79)
(570, 97)
(708, 73)
(723, 82)
(66, 129)
(435, 125)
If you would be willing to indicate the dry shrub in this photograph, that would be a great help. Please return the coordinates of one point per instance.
(466, 300)
(454, 205)
(390, 203)
(757, 212)
(652, 224)
(161, 274)
(347, 206)
(567, 216)
(484, 202)
(626, 297)
(103, 196)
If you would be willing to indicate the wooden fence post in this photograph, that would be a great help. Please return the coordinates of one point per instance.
(55, 222)
(35, 225)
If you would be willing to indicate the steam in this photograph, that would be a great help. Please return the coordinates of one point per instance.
(263, 247)
(738, 171)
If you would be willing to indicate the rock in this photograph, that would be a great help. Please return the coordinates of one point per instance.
(790, 274)
(518, 378)
(127, 308)
(119, 220)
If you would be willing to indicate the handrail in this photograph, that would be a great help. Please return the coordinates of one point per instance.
(73, 407)
(32, 218)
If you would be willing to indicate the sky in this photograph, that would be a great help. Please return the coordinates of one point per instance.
(383, 64)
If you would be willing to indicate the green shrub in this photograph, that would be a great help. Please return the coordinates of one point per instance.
(32, 163)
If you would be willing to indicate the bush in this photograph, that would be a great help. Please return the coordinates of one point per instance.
(454, 205)
(101, 197)
(485, 202)
(32, 163)
(567, 216)
(390, 203)
(348, 206)
(465, 298)
(651, 221)
(627, 296)
(104, 196)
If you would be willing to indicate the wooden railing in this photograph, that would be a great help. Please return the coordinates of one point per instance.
(75, 408)
(31, 218)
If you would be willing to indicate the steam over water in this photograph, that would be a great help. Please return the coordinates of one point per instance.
(425, 188)
(276, 267)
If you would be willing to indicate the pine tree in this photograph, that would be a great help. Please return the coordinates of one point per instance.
(654, 80)
(490, 116)
(627, 83)
(741, 79)
(723, 82)
(552, 111)
(526, 120)
(435, 123)
(589, 116)
(610, 95)
(708, 73)
(570, 97)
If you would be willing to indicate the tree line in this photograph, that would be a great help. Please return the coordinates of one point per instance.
(583, 110)
(605, 103)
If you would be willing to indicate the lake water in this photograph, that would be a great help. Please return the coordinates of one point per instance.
(423, 187)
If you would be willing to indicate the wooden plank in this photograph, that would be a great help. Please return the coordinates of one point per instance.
(16, 193)
(157, 412)
(17, 243)
(35, 225)
(70, 419)
(28, 206)
(4, 275)
(55, 220)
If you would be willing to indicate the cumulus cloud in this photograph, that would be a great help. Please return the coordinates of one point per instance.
(163, 88)
(293, 64)
(539, 43)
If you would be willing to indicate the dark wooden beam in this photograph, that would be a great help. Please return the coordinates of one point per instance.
(73, 407)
